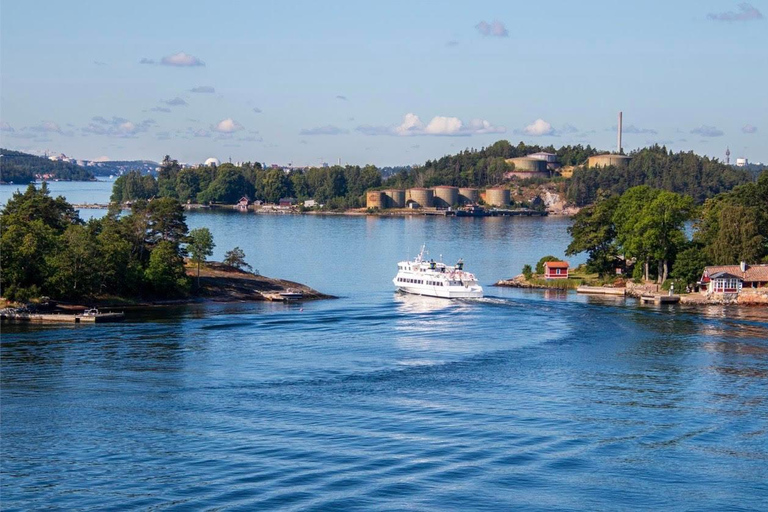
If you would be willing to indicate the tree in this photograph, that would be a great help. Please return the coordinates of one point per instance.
(689, 265)
(527, 271)
(236, 258)
(542, 261)
(165, 273)
(200, 245)
(594, 232)
(166, 220)
(75, 264)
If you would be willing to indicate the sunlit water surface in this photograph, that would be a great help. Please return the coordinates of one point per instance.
(376, 401)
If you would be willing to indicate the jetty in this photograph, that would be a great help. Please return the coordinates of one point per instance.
(659, 298)
(60, 318)
(601, 290)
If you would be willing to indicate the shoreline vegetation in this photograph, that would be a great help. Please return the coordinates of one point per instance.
(572, 182)
(639, 240)
(146, 256)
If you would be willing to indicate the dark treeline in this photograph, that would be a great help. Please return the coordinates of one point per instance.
(645, 227)
(49, 251)
(481, 168)
(18, 167)
(336, 186)
(684, 173)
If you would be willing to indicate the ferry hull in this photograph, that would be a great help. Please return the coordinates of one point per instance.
(453, 292)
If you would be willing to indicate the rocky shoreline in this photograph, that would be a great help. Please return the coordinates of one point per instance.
(747, 297)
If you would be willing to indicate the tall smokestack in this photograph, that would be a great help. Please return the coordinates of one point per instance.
(620, 128)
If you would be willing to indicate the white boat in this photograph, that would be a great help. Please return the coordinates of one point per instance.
(436, 279)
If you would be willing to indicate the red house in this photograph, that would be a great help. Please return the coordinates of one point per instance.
(556, 270)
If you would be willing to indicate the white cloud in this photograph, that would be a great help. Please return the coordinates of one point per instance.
(203, 89)
(145, 60)
(495, 29)
(164, 110)
(749, 129)
(411, 125)
(228, 125)
(5, 127)
(181, 59)
(539, 128)
(117, 127)
(438, 126)
(746, 12)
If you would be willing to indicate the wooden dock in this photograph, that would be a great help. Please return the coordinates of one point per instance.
(601, 290)
(659, 298)
(61, 318)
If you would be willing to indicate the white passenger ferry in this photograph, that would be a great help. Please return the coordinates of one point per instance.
(436, 279)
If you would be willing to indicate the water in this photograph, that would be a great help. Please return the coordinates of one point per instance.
(523, 400)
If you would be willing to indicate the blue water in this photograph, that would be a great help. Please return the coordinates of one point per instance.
(523, 400)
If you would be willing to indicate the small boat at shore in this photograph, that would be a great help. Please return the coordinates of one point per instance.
(436, 279)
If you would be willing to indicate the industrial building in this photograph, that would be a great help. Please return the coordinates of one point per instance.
(395, 198)
(497, 196)
(608, 160)
(423, 197)
(446, 196)
(527, 167)
(469, 195)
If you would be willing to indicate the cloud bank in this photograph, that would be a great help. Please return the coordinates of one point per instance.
(175, 102)
(749, 129)
(181, 59)
(439, 126)
(746, 12)
(116, 127)
(493, 29)
(707, 131)
(324, 130)
(203, 89)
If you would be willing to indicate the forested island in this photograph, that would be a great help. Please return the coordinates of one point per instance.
(21, 168)
(344, 187)
(147, 255)
(641, 235)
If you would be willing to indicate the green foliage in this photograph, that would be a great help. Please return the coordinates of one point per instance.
(527, 271)
(689, 265)
(542, 261)
(236, 258)
(594, 232)
(200, 245)
(734, 226)
(47, 250)
(683, 173)
(165, 273)
(18, 167)
(133, 186)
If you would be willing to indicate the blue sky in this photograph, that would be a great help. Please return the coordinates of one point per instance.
(387, 83)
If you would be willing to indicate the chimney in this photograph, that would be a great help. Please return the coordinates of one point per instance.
(620, 129)
(743, 266)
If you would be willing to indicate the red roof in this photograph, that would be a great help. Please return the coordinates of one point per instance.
(556, 264)
(754, 273)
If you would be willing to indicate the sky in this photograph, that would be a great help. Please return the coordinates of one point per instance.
(387, 83)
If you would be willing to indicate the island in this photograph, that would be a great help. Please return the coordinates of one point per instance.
(52, 259)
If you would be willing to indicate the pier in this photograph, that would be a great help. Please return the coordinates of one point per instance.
(60, 318)
(601, 290)
(658, 298)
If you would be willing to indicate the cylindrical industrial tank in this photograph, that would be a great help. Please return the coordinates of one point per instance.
(446, 196)
(528, 164)
(497, 196)
(395, 198)
(421, 196)
(469, 195)
(374, 199)
(608, 160)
